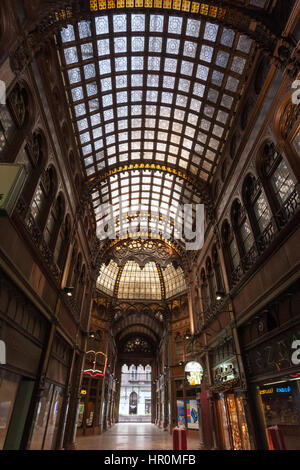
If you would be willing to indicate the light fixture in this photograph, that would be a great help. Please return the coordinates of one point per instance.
(188, 335)
(220, 295)
(69, 291)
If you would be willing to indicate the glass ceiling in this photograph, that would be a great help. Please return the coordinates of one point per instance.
(152, 88)
(134, 282)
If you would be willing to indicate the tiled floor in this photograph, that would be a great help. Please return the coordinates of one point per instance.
(132, 436)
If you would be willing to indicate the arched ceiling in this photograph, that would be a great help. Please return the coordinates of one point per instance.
(141, 270)
(152, 96)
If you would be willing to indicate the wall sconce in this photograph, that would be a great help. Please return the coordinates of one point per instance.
(188, 335)
(69, 291)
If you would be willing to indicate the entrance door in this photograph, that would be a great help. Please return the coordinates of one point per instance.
(133, 403)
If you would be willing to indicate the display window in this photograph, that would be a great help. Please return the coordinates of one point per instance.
(46, 422)
(233, 427)
(279, 407)
(223, 424)
(9, 384)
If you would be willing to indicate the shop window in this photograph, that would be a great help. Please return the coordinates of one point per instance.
(45, 424)
(278, 405)
(9, 384)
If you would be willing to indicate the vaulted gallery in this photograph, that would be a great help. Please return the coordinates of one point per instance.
(128, 127)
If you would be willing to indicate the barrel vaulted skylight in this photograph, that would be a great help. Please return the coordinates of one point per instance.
(151, 88)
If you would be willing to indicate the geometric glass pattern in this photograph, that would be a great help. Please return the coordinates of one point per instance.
(152, 88)
(140, 283)
(174, 280)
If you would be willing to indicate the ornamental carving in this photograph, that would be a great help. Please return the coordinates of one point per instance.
(288, 119)
(17, 103)
(34, 149)
(143, 251)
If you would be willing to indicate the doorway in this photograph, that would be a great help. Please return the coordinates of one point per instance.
(135, 394)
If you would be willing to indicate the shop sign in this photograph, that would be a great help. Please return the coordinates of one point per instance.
(269, 391)
(193, 373)
(95, 372)
(12, 180)
(226, 371)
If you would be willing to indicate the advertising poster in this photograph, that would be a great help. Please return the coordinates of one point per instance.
(192, 414)
(180, 413)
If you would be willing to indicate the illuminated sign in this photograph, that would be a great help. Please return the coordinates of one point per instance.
(96, 372)
(283, 389)
(266, 391)
(226, 371)
(12, 179)
(193, 373)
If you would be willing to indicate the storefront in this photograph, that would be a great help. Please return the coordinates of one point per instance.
(229, 404)
(275, 387)
(279, 407)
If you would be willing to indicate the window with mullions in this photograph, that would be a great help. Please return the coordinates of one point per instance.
(282, 182)
(241, 228)
(41, 196)
(256, 205)
(230, 248)
(174, 280)
(107, 277)
(276, 175)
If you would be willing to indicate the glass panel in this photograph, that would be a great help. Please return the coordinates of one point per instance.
(246, 236)
(262, 212)
(8, 390)
(282, 182)
(40, 421)
(139, 283)
(126, 52)
(234, 422)
(174, 280)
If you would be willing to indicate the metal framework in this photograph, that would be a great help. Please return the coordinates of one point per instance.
(152, 97)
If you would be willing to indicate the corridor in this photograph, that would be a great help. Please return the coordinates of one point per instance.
(132, 436)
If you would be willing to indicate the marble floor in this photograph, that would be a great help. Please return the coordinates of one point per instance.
(132, 436)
